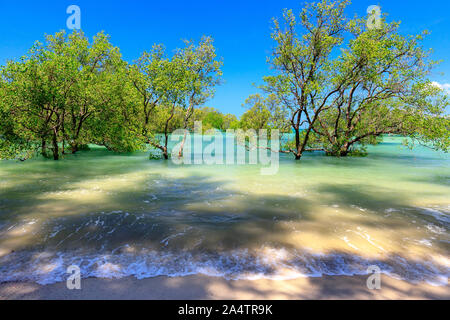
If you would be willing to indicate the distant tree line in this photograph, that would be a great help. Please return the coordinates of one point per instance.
(336, 85)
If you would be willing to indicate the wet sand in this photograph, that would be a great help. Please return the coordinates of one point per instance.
(207, 288)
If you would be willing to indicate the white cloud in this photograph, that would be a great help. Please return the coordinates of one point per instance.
(443, 86)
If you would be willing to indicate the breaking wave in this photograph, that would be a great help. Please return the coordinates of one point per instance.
(266, 263)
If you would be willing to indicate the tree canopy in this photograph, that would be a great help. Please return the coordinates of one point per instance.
(343, 84)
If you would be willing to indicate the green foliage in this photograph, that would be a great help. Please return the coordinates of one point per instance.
(302, 64)
(263, 113)
(341, 85)
(383, 89)
(212, 119)
(169, 87)
(68, 90)
(202, 70)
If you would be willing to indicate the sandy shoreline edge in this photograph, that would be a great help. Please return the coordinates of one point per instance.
(210, 288)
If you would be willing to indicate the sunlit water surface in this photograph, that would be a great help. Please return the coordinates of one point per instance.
(120, 215)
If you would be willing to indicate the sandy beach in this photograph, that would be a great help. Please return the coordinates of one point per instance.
(207, 288)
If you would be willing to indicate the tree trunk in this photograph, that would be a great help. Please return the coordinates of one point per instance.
(180, 153)
(165, 154)
(298, 155)
(74, 147)
(55, 147)
(44, 147)
(301, 147)
(343, 152)
(63, 151)
(166, 143)
(188, 115)
(166, 133)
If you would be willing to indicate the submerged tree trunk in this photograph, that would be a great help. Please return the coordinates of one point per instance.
(188, 115)
(166, 142)
(165, 154)
(301, 147)
(74, 147)
(166, 133)
(345, 149)
(63, 131)
(298, 154)
(180, 153)
(44, 147)
(55, 146)
(164, 148)
(76, 130)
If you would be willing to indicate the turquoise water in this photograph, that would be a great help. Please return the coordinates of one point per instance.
(119, 215)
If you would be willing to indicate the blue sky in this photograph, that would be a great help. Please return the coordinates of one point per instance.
(241, 30)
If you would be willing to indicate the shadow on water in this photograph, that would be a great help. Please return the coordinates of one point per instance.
(216, 216)
(233, 218)
(434, 179)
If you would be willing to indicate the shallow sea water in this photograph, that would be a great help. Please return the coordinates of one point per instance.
(120, 215)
